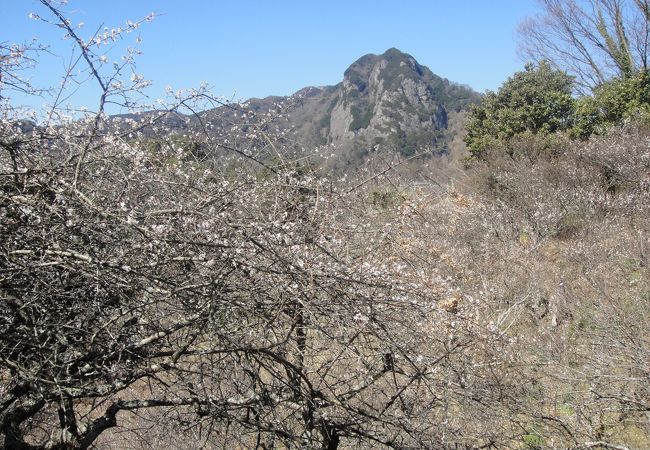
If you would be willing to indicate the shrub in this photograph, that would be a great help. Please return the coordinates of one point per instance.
(537, 100)
(613, 102)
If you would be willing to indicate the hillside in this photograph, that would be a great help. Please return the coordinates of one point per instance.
(386, 102)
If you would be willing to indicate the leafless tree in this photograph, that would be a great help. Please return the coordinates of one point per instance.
(591, 39)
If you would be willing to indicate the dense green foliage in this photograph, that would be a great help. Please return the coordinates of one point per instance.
(537, 100)
(617, 100)
(361, 117)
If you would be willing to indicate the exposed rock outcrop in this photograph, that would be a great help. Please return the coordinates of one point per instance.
(388, 102)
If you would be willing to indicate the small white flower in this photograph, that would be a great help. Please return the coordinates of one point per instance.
(361, 319)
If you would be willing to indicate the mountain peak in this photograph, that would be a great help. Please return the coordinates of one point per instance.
(387, 101)
(391, 100)
(392, 67)
(391, 54)
(394, 53)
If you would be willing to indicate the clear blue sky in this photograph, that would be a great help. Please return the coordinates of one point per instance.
(248, 48)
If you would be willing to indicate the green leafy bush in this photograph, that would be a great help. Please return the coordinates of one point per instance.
(537, 100)
(613, 102)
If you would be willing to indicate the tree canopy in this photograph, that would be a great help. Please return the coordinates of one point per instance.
(535, 100)
(613, 102)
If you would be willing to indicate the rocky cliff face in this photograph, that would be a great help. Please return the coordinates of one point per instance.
(390, 100)
(387, 102)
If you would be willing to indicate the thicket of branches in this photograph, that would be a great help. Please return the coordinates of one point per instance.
(567, 256)
(253, 309)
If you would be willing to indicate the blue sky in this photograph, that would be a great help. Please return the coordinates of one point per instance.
(248, 48)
